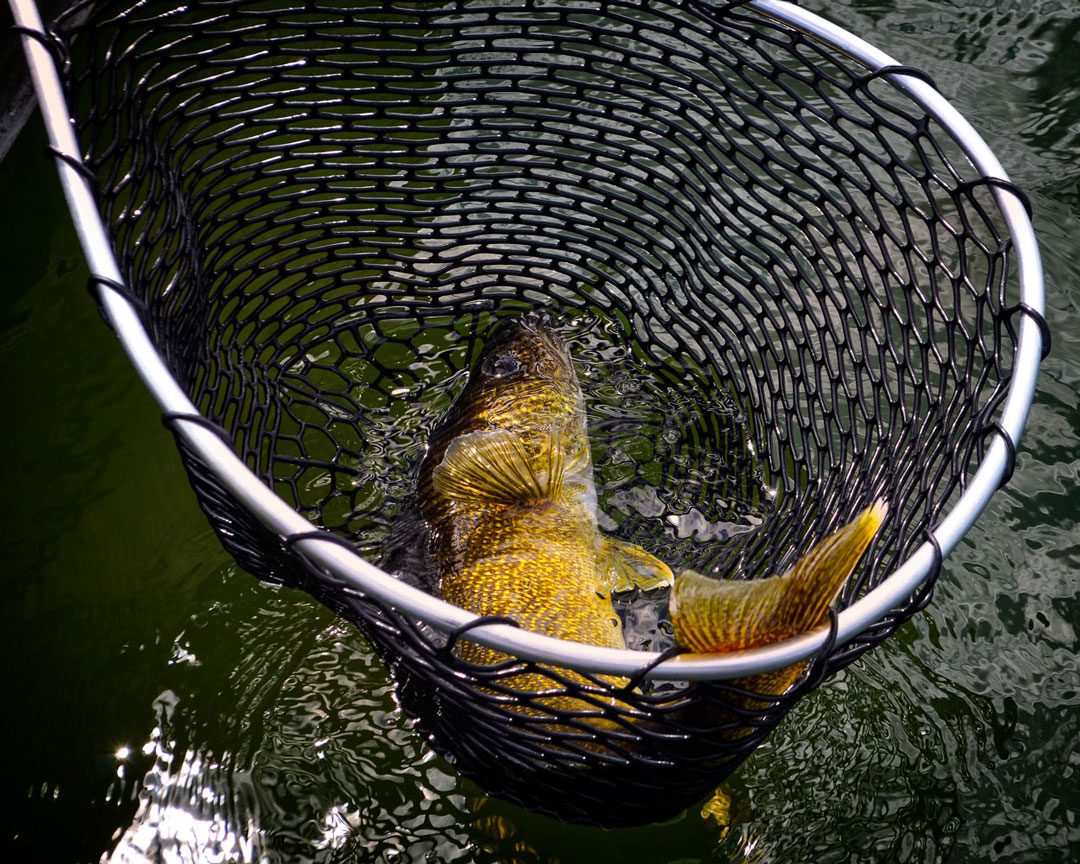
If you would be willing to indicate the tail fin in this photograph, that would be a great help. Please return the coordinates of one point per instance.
(712, 616)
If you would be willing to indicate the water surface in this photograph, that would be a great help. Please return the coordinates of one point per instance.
(162, 705)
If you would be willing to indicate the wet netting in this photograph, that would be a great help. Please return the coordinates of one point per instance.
(787, 289)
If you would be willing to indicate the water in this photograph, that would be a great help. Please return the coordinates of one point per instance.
(156, 695)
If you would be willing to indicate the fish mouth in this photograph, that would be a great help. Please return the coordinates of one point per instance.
(534, 321)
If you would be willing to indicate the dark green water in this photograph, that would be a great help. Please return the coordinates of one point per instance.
(158, 699)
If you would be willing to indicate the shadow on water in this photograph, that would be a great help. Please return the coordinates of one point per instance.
(161, 705)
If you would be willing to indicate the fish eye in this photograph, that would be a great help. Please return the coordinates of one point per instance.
(503, 365)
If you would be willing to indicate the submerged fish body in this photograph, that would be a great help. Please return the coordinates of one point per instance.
(507, 490)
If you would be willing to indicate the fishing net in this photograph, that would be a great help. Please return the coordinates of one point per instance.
(787, 288)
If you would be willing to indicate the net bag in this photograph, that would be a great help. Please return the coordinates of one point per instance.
(794, 278)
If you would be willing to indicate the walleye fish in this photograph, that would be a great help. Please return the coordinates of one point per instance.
(507, 490)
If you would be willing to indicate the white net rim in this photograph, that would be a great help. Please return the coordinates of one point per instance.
(364, 577)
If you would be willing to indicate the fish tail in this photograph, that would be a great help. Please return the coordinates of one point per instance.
(717, 616)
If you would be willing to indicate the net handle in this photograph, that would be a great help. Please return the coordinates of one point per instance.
(362, 576)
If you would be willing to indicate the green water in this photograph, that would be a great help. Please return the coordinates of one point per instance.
(159, 699)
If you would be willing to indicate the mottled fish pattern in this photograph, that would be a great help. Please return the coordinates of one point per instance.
(507, 490)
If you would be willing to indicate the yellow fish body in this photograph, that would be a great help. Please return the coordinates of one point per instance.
(507, 490)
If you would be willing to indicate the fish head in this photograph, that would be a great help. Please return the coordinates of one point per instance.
(524, 376)
(525, 348)
(522, 408)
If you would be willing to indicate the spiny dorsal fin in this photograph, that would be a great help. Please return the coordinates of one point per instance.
(492, 466)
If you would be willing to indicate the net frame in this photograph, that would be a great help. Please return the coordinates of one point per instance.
(281, 519)
(276, 523)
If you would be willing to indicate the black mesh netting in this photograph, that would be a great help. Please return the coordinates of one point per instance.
(787, 289)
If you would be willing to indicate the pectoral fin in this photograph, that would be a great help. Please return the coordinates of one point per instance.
(492, 466)
(628, 566)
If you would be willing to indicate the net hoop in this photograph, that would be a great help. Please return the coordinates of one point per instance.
(359, 575)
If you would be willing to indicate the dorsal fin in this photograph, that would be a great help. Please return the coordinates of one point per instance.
(492, 466)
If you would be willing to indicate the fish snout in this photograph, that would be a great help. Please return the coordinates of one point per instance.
(537, 320)
(532, 322)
